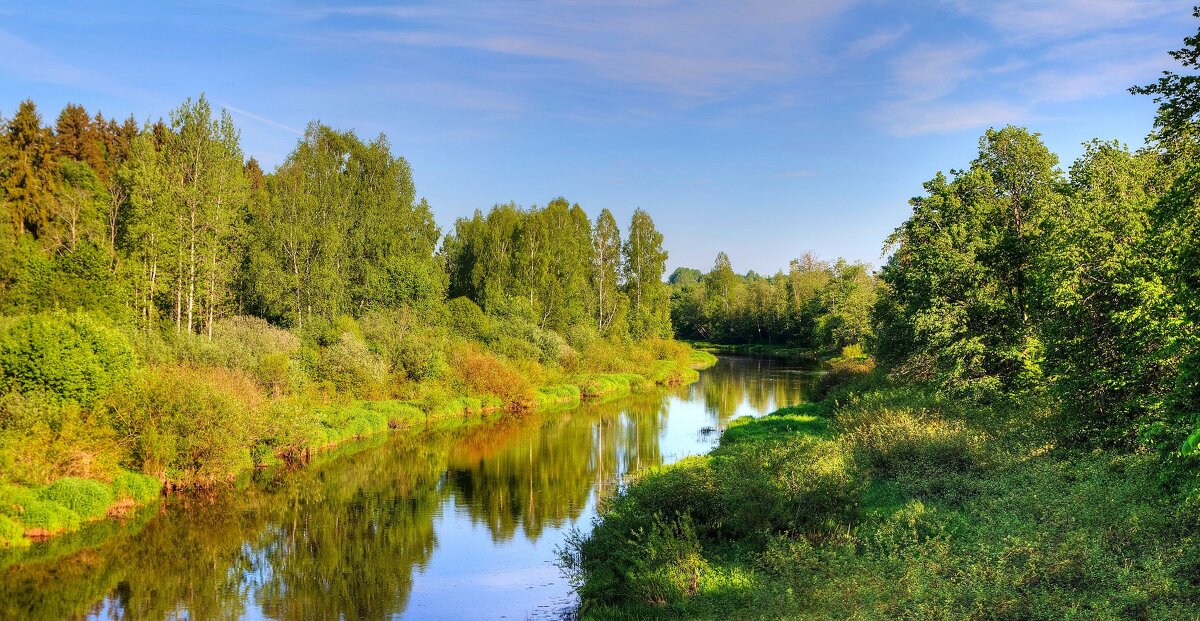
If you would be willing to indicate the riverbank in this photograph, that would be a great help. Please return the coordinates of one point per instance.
(35, 512)
(759, 349)
(884, 501)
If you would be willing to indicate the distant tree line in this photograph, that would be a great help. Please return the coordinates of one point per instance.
(814, 304)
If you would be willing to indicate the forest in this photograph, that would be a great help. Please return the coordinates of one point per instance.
(173, 316)
(1025, 445)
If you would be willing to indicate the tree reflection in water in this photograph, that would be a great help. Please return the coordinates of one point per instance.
(341, 539)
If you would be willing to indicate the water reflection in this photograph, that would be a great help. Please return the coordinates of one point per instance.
(446, 524)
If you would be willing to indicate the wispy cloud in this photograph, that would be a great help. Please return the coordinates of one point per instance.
(876, 41)
(909, 118)
(1039, 53)
(703, 51)
(261, 119)
(1042, 19)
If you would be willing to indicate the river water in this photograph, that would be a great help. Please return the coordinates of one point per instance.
(458, 523)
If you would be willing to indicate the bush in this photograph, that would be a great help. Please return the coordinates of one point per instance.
(897, 440)
(192, 426)
(88, 499)
(24, 505)
(72, 357)
(257, 347)
(351, 368)
(483, 374)
(468, 320)
(42, 439)
(411, 349)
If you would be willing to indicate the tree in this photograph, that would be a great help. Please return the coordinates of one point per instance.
(606, 265)
(28, 179)
(1177, 96)
(956, 304)
(643, 268)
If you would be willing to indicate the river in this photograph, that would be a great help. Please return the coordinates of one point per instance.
(458, 523)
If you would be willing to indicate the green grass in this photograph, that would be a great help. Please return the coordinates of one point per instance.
(67, 504)
(888, 502)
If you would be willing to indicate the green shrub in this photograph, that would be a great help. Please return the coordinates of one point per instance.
(900, 440)
(26, 506)
(557, 395)
(468, 320)
(192, 426)
(411, 349)
(352, 368)
(89, 499)
(74, 357)
(657, 563)
(43, 439)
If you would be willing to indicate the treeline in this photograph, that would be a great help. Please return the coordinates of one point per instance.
(815, 304)
(170, 224)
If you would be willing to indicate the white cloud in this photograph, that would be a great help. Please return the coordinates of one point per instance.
(261, 119)
(1043, 19)
(914, 118)
(703, 51)
(876, 41)
(927, 72)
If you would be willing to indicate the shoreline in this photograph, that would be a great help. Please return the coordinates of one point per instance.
(361, 420)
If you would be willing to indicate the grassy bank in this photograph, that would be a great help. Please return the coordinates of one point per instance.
(884, 502)
(96, 422)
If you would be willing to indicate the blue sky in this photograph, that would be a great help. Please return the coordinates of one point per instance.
(760, 128)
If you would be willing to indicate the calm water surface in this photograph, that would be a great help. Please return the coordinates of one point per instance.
(450, 524)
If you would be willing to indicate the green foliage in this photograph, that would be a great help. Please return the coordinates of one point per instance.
(86, 498)
(11, 533)
(816, 305)
(959, 286)
(191, 426)
(138, 487)
(68, 356)
(349, 365)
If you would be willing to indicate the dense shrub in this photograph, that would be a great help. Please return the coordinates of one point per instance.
(73, 357)
(255, 346)
(42, 439)
(138, 487)
(412, 349)
(467, 319)
(193, 426)
(351, 367)
(484, 374)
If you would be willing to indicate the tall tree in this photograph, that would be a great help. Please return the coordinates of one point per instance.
(644, 265)
(203, 165)
(958, 296)
(606, 266)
